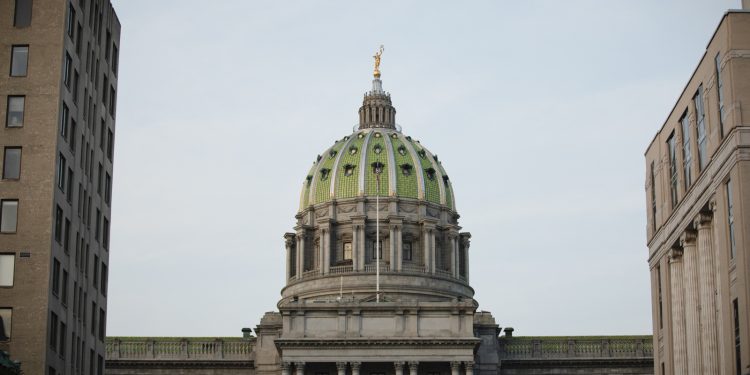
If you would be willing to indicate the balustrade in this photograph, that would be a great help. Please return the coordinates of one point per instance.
(179, 349)
(576, 347)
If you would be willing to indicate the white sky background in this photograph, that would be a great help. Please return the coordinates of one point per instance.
(539, 110)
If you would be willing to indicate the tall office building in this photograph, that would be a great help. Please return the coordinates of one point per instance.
(58, 87)
(697, 186)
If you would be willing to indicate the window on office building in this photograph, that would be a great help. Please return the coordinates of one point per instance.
(16, 106)
(720, 93)
(8, 215)
(71, 22)
(730, 220)
(687, 158)
(6, 317)
(68, 70)
(53, 321)
(12, 163)
(58, 224)
(22, 13)
(64, 115)
(55, 276)
(700, 118)
(7, 269)
(653, 197)
(19, 61)
(61, 169)
(672, 169)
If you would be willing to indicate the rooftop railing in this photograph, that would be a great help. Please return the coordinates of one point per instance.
(176, 348)
(576, 347)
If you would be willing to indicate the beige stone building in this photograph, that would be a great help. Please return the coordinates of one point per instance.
(58, 88)
(697, 187)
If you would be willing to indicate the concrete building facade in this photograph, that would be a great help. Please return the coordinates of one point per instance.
(58, 89)
(697, 189)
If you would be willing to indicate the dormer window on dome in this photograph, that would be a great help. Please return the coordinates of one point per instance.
(406, 169)
(402, 150)
(430, 173)
(377, 149)
(332, 154)
(348, 170)
(324, 172)
(353, 150)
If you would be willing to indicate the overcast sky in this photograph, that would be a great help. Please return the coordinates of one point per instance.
(540, 111)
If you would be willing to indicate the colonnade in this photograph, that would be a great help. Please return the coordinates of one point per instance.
(457, 243)
(693, 286)
(457, 368)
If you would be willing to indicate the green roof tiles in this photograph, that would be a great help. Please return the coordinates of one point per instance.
(345, 170)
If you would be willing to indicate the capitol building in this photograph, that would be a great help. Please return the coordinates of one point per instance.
(378, 282)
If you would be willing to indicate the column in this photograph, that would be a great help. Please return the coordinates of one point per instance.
(361, 247)
(455, 368)
(392, 242)
(399, 366)
(469, 368)
(432, 251)
(326, 251)
(707, 288)
(289, 243)
(286, 368)
(355, 367)
(399, 248)
(465, 244)
(300, 368)
(341, 367)
(413, 367)
(355, 245)
(426, 248)
(692, 301)
(722, 279)
(678, 311)
(300, 253)
(454, 254)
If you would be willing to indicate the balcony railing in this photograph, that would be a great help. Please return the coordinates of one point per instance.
(370, 268)
(175, 348)
(576, 347)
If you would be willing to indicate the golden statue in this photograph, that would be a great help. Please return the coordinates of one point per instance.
(377, 61)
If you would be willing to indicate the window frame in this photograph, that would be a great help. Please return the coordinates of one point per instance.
(13, 49)
(5, 255)
(3, 202)
(8, 112)
(5, 159)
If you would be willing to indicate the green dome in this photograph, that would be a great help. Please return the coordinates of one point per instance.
(345, 170)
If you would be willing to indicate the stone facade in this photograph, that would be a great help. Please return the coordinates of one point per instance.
(698, 170)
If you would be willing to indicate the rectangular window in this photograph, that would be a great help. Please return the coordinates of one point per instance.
(653, 197)
(737, 346)
(22, 14)
(107, 188)
(63, 336)
(66, 240)
(58, 224)
(105, 235)
(71, 23)
(14, 117)
(376, 254)
(79, 32)
(720, 93)
(102, 133)
(730, 220)
(103, 280)
(56, 276)
(64, 295)
(68, 70)
(406, 251)
(53, 331)
(6, 317)
(110, 149)
(105, 85)
(661, 306)
(108, 45)
(74, 90)
(69, 188)
(99, 365)
(102, 324)
(700, 116)
(98, 229)
(115, 58)
(64, 114)
(19, 61)
(12, 163)
(7, 269)
(93, 318)
(687, 158)
(73, 130)
(112, 101)
(100, 180)
(61, 169)
(95, 279)
(8, 215)
(672, 169)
